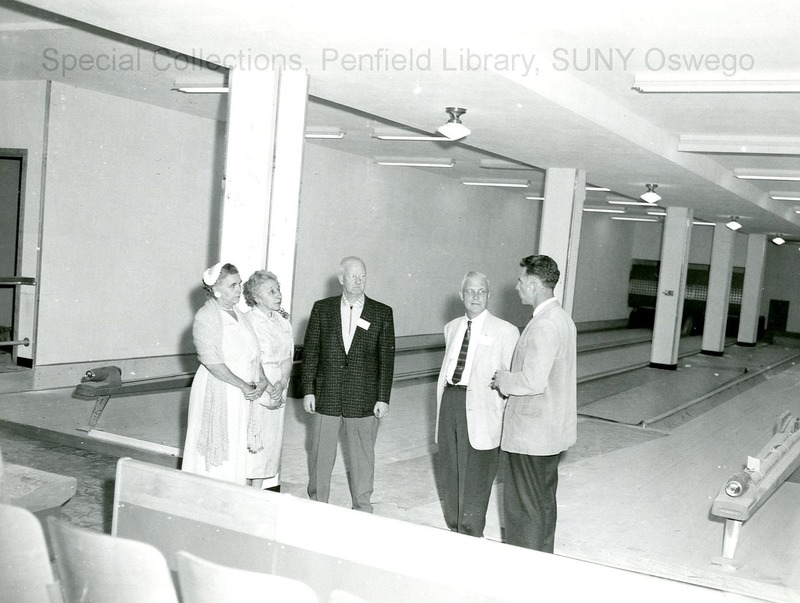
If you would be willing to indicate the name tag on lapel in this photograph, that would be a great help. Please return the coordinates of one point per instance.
(486, 339)
(363, 324)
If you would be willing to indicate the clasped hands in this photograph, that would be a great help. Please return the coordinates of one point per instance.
(500, 383)
(273, 390)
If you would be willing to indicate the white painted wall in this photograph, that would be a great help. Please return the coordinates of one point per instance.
(782, 281)
(647, 244)
(130, 223)
(418, 233)
(604, 264)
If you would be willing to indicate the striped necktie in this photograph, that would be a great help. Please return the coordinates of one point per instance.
(462, 355)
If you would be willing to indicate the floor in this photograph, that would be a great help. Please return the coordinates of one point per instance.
(653, 449)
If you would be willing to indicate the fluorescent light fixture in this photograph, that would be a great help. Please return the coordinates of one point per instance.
(200, 89)
(503, 164)
(702, 223)
(395, 134)
(602, 189)
(657, 213)
(797, 210)
(626, 202)
(495, 182)
(325, 132)
(651, 196)
(778, 240)
(632, 219)
(751, 145)
(534, 198)
(604, 210)
(785, 196)
(734, 224)
(646, 83)
(436, 162)
(777, 175)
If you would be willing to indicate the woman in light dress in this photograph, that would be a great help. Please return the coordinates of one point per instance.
(262, 292)
(221, 438)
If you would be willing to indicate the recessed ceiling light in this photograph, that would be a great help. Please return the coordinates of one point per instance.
(632, 219)
(503, 164)
(436, 162)
(397, 134)
(777, 83)
(323, 133)
(785, 196)
(627, 202)
(776, 175)
(491, 182)
(200, 89)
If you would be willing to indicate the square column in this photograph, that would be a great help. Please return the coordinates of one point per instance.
(752, 289)
(671, 287)
(559, 234)
(719, 291)
(289, 143)
(263, 161)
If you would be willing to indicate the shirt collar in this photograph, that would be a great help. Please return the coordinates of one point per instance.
(478, 320)
(358, 303)
(543, 306)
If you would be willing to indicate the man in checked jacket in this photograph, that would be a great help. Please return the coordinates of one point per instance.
(348, 365)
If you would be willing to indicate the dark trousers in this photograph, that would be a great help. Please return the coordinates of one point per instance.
(529, 495)
(358, 440)
(466, 474)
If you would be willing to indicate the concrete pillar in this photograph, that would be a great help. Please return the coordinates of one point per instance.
(752, 289)
(262, 164)
(289, 141)
(719, 291)
(671, 287)
(559, 235)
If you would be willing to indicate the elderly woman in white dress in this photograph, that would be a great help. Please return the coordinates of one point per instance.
(220, 436)
(262, 292)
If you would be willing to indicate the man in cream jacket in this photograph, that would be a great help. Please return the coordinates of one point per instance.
(541, 415)
(469, 413)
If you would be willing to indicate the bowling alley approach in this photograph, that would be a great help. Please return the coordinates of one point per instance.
(327, 304)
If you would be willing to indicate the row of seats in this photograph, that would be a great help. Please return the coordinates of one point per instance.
(96, 567)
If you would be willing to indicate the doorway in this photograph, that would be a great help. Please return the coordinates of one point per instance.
(778, 316)
(11, 173)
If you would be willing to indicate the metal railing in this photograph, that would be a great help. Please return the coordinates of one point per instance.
(14, 281)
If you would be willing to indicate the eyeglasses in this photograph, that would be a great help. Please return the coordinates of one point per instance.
(475, 292)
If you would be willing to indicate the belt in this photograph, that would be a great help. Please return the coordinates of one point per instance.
(456, 386)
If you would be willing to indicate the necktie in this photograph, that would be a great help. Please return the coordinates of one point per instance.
(462, 355)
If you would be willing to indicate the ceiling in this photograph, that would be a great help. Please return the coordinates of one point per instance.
(542, 87)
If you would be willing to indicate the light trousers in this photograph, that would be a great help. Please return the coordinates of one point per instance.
(358, 437)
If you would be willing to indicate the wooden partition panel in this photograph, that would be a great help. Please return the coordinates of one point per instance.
(375, 558)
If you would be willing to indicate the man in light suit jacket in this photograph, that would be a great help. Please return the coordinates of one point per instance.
(469, 413)
(348, 365)
(541, 414)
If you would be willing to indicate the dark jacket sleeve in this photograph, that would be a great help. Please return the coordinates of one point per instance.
(386, 357)
(311, 351)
